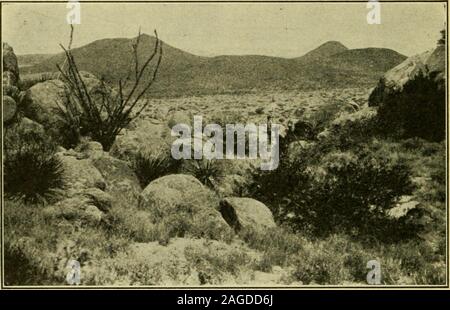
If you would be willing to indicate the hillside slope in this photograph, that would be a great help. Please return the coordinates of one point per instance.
(330, 65)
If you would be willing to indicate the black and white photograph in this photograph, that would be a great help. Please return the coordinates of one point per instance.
(224, 145)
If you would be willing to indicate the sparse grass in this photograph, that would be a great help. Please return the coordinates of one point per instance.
(42, 248)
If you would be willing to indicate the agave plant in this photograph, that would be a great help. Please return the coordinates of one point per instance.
(150, 166)
(32, 171)
(206, 171)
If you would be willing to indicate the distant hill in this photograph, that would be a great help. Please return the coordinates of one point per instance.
(31, 59)
(329, 65)
(325, 50)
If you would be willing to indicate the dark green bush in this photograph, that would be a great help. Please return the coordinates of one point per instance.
(350, 194)
(149, 167)
(32, 171)
(416, 111)
(206, 171)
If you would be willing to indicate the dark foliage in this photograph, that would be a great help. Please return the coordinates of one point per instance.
(416, 111)
(351, 197)
(32, 171)
(149, 167)
(206, 171)
(103, 114)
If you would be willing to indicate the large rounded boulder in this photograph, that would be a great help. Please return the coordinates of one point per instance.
(246, 214)
(184, 206)
(79, 174)
(9, 109)
(145, 137)
(45, 102)
(121, 181)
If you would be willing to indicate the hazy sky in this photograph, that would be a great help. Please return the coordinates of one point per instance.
(275, 29)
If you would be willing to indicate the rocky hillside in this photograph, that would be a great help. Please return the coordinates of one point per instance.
(429, 64)
(132, 215)
(330, 65)
(411, 96)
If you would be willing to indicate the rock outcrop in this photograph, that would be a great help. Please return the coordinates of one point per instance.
(121, 182)
(246, 213)
(45, 102)
(429, 64)
(10, 66)
(183, 203)
(146, 137)
(10, 83)
(9, 109)
(80, 174)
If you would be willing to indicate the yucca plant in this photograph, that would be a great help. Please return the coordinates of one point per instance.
(206, 171)
(149, 167)
(32, 171)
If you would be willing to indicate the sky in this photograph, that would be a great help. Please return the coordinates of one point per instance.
(211, 29)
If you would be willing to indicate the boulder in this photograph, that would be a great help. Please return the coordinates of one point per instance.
(80, 174)
(185, 206)
(429, 64)
(28, 125)
(77, 209)
(9, 79)
(10, 65)
(91, 149)
(121, 181)
(12, 91)
(100, 199)
(9, 109)
(45, 101)
(146, 137)
(166, 192)
(246, 213)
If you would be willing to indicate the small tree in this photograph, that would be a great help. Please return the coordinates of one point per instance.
(104, 115)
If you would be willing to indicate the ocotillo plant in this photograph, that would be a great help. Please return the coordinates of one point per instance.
(103, 117)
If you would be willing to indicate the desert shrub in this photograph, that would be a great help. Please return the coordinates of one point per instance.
(413, 143)
(319, 263)
(416, 111)
(191, 222)
(32, 171)
(345, 192)
(351, 129)
(431, 274)
(104, 112)
(215, 261)
(278, 244)
(134, 224)
(355, 195)
(150, 166)
(206, 171)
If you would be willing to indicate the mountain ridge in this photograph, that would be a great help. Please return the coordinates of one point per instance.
(329, 65)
